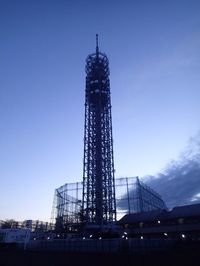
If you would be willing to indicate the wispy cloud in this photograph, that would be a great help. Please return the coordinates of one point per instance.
(179, 184)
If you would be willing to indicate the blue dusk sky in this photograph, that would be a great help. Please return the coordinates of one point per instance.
(154, 51)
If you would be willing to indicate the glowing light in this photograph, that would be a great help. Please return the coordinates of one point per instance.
(141, 237)
(183, 236)
(158, 222)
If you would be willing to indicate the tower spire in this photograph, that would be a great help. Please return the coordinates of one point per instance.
(97, 44)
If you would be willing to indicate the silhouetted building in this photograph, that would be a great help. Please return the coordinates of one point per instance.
(181, 222)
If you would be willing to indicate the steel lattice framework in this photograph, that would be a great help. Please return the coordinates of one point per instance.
(98, 203)
(132, 196)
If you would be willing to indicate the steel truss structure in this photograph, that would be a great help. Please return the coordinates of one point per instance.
(93, 202)
(132, 196)
(98, 201)
(67, 205)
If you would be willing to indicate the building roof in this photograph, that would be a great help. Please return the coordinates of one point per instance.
(159, 214)
(185, 211)
(142, 216)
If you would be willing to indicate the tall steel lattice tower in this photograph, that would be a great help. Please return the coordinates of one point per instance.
(98, 205)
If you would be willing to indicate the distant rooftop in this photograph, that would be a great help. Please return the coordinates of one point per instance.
(177, 212)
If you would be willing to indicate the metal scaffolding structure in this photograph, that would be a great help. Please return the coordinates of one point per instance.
(132, 196)
(67, 205)
(98, 202)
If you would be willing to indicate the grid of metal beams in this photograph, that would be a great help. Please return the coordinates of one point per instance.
(98, 202)
(132, 196)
